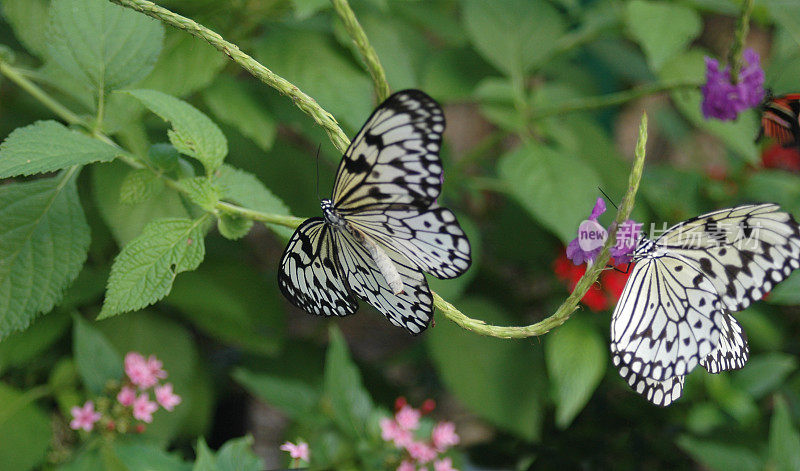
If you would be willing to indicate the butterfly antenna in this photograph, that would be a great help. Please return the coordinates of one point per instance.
(608, 198)
(319, 146)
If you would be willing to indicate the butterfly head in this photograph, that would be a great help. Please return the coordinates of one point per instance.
(332, 217)
(644, 247)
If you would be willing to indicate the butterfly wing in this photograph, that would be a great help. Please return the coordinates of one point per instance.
(660, 393)
(411, 309)
(394, 160)
(309, 276)
(743, 251)
(779, 119)
(667, 319)
(432, 239)
(732, 352)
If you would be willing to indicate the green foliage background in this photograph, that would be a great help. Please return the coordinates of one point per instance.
(136, 159)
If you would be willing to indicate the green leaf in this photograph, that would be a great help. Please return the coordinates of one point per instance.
(776, 186)
(96, 359)
(514, 35)
(244, 188)
(20, 348)
(201, 191)
(662, 29)
(144, 270)
(738, 135)
(234, 455)
(785, 13)
(186, 64)
(294, 398)
(337, 84)
(44, 240)
(765, 373)
(192, 133)
(784, 440)
(720, 456)
(139, 186)
(576, 361)
(47, 146)
(234, 227)
(102, 45)
(25, 430)
(350, 403)
(234, 103)
(147, 457)
(27, 18)
(233, 303)
(126, 221)
(556, 187)
(499, 380)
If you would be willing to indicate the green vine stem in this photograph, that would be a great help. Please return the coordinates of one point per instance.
(742, 28)
(307, 104)
(571, 303)
(359, 37)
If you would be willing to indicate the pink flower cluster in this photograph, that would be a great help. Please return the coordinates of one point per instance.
(143, 374)
(297, 452)
(400, 431)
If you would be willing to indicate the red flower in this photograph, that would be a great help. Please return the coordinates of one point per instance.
(597, 298)
(784, 158)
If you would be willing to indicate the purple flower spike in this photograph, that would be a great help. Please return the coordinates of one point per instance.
(575, 252)
(724, 100)
(599, 208)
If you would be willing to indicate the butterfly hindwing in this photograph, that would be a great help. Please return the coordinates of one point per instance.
(394, 159)
(779, 119)
(732, 352)
(432, 239)
(308, 275)
(660, 393)
(411, 309)
(667, 319)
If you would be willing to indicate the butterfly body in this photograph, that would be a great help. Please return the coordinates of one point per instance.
(675, 310)
(382, 228)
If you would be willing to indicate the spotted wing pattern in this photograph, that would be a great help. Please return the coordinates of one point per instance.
(412, 309)
(432, 239)
(309, 276)
(660, 393)
(743, 251)
(674, 312)
(394, 160)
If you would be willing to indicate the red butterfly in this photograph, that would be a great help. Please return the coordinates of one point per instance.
(779, 119)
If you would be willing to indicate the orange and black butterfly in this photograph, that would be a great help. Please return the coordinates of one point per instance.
(779, 119)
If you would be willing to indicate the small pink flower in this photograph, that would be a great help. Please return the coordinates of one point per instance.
(421, 452)
(84, 417)
(297, 452)
(143, 373)
(392, 432)
(143, 408)
(407, 466)
(444, 436)
(166, 398)
(408, 418)
(444, 465)
(126, 396)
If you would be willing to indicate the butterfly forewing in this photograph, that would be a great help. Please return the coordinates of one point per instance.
(309, 276)
(779, 119)
(411, 309)
(743, 251)
(394, 160)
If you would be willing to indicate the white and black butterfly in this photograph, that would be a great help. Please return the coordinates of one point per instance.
(674, 312)
(382, 228)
